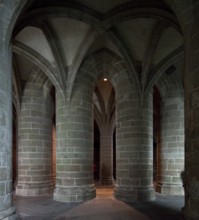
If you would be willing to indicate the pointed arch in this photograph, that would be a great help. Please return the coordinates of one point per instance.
(41, 62)
(102, 63)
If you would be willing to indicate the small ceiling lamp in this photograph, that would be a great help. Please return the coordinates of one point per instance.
(105, 79)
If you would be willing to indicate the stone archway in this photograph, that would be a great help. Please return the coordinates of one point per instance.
(104, 114)
(131, 158)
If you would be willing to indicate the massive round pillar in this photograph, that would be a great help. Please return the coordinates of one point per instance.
(74, 147)
(6, 207)
(171, 162)
(35, 141)
(134, 152)
(191, 85)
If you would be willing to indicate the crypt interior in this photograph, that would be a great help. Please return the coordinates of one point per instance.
(99, 93)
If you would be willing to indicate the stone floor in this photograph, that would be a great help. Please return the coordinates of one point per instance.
(103, 207)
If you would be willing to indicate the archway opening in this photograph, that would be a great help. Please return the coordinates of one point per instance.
(104, 135)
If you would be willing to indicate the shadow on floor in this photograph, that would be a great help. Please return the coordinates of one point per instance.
(163, 208)
(103, 207)
(40, 208)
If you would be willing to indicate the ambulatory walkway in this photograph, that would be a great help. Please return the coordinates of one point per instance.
(103, 207)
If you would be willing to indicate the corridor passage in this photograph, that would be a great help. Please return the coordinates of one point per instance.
(103, 207)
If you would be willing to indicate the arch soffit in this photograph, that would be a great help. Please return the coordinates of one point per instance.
(15, 9)
(167, 84)
(111, 20)
(38, 77)
(89, 18)
(162, 15)
(101, 24)
(102, 62)
(160, 68)
(41, 62)
(184, 11)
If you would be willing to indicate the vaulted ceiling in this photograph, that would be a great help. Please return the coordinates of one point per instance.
(58, 35)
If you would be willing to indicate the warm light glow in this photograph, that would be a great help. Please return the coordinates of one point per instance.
(105, 79)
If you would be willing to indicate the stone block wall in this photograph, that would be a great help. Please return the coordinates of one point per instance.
(35, 141)
(191, 85)
(6, 205)
(134, 155)
(172, 146)
(74, 147)
(187, 14)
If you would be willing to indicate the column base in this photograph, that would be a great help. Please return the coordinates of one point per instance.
(75, 194)
(34, 189)
(129, 194)
(9, 214)
(170, 189)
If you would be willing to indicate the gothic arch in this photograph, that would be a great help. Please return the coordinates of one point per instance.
(102, 63)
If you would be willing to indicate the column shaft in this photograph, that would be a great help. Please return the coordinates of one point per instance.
(191, 84)
(172, 146)
(6, 207)
(74, 149)
(134, 155)
(35, 143)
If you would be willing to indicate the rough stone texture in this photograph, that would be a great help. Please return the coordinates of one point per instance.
(191, 80)
(187, 15)
(7, 10)
(134, 156)
(171, 150)
(6, 207)
(74, 150)
(191, 210)
(34, 140)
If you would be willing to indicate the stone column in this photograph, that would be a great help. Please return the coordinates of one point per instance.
(106, 155)
(172, 145)
(74, 148)
(6, 207)
(191, 178)
(191, 84)
(134, 145)
(35, 142)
